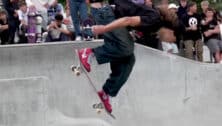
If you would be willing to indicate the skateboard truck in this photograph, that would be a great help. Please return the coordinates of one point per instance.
(76, 69)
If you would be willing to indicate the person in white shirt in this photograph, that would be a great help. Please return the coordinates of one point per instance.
(41, 7)
(57, 31)
(167, 35)
(54, 9)
(23, 18)
(69, 23)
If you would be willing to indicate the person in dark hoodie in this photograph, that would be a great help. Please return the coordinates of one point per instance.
(118, 48)
(11, 6)
(4, 28)
(182, 8)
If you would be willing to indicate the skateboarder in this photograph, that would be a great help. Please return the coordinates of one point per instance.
(118, 44)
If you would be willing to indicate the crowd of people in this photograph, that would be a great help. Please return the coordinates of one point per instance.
(191, 32)
(195, 29)
(28, 21)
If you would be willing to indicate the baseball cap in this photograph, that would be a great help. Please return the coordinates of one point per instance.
(172, 6)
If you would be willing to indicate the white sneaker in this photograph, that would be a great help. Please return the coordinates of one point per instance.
(78, 38)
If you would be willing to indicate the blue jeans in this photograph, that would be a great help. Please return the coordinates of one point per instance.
(117, 50)
(78, 9)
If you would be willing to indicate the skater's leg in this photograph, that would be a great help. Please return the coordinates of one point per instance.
(120, 73)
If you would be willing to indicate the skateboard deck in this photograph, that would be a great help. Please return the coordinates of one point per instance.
(87, 29)
(31, 32)
(78, 69)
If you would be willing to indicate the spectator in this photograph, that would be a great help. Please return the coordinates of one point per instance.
(23, 18)
(192, 35)
(204, 5)
(69, 23)
(167, 38)
(182, 8)
(78, 8)
(166, 34)
(149, 3)
(41, 7)
(164, 2)
(211, 31)
(57, 31)
(53, 9)
(220, 26)
(219, 18)
(11, 6)
(4, 28)
(173, 8)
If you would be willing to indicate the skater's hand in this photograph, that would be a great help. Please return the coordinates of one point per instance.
(98, 29)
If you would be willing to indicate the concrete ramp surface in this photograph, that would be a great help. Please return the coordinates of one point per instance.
(37, 88)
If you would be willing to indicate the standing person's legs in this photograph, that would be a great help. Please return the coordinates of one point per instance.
(83, 11)
(199, 50)
(74, 9)
(44, 19)
(215, 48)
(220, 45)
(189, 44)
(12, 30)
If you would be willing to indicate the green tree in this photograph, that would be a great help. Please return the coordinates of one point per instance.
(63, 2)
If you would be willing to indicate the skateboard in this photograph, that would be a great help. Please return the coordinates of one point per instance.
(78, 70)
(87, 29)
(39, 20)
(31, 32)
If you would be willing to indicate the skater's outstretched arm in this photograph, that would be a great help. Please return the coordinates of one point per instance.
(121, 22)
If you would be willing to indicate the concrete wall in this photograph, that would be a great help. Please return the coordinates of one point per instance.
(163, 89)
